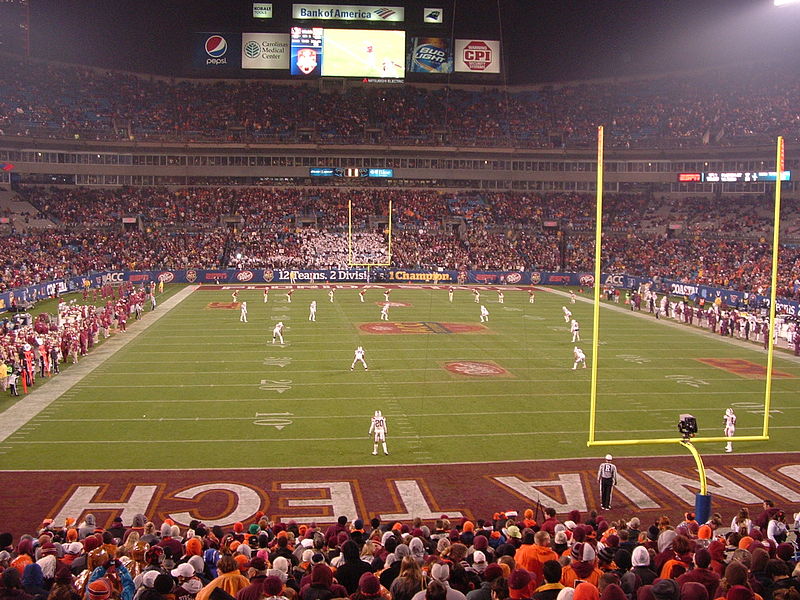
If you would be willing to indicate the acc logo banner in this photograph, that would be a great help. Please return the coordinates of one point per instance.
(166, 276)
(244, 276)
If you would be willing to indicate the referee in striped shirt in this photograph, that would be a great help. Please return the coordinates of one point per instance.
(607, 478)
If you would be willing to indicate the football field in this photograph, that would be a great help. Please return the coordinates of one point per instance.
(200, 389)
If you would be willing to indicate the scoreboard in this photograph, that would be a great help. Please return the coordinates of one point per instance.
(733, 177)
(349, 172)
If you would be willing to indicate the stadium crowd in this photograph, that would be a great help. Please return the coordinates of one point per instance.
(32, 348)
(742, 103)
(307, 228)
(533, 556)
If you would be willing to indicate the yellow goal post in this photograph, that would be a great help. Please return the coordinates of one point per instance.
(350, 261)
(592, 441)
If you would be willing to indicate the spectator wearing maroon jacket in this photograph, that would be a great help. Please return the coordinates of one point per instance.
(549, 524)
(762, 520)
(702, 573)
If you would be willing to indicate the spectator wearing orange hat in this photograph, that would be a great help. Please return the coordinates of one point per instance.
(528, 520)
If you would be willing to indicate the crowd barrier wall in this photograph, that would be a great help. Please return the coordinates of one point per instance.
(30, 294)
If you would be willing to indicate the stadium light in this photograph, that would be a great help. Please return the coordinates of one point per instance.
(785, 2)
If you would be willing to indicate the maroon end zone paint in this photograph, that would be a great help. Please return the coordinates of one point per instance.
(744, 368)
(419, 327)
(476, 368)
(648, 488)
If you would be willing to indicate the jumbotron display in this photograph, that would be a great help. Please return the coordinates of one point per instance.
(326, 52)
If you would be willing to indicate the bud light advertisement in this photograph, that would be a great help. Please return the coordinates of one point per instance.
(216, 53)
(430, 55)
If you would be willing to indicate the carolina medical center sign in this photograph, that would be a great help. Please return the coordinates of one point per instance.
(332, 12)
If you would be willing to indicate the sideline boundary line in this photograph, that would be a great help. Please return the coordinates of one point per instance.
(23, 412)
(362, 466)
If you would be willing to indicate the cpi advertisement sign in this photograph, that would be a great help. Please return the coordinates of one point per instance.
(477, 56)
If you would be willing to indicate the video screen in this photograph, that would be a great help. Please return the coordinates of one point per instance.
(363, 53)
(306, 51)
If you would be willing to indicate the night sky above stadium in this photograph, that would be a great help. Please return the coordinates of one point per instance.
(544, 40)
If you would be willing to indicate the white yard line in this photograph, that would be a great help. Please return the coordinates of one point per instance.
(39, 399)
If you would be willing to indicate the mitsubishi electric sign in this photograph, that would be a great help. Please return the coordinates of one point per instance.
(329, 12)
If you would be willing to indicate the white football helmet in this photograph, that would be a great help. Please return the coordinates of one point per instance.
(729, 412)
(378, 414)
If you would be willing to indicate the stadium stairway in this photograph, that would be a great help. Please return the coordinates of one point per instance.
(23, 214)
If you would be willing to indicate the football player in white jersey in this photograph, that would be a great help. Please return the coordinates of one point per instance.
(385, 312)
(359, 357)
(575, 328)
(580, 358)
(378, 430)
(312, 311)
(277, 332)
(730, 427)
(484, 314)
(243, 315)
(567, 314)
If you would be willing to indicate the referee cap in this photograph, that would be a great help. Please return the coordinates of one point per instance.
(608, 457)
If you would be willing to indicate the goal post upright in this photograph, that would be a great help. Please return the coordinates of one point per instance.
(773, 293)
(764, 437)
(598, 237)
(350, 262)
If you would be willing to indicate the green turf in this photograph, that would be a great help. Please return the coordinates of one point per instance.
(187, 393)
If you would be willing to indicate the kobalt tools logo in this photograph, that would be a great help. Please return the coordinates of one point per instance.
(216, 47)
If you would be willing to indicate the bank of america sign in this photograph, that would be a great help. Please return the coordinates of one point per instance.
(330, 12)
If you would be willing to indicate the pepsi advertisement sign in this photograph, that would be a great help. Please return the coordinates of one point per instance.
(216, 52)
